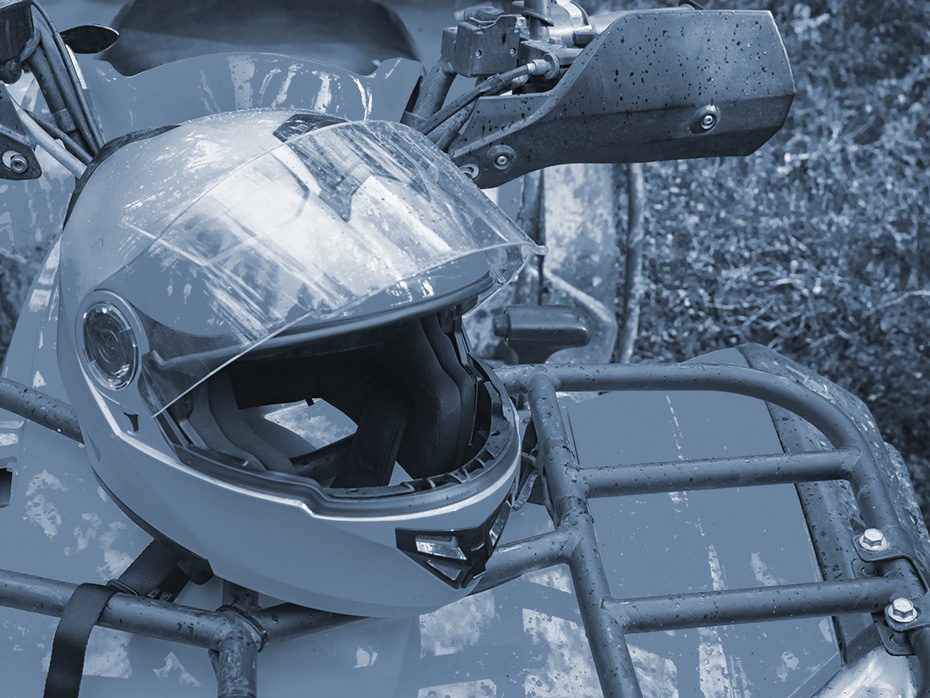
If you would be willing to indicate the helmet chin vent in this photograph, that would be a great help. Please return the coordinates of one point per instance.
(457, 557)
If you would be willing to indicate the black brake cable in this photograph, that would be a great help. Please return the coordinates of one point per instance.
(493, 85)
(75, 97)
(52, 129)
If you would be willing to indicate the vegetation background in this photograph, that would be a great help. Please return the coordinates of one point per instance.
(818, 245)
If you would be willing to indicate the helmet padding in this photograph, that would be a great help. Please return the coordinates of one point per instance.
(413, 397)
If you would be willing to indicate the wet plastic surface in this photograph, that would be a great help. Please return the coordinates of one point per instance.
(697, 541)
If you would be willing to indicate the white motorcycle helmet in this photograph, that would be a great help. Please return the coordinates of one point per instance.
(260, 331)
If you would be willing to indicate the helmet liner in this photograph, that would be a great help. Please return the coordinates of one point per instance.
(209, 432)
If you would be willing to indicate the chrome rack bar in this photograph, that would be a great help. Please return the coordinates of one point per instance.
(759, 604)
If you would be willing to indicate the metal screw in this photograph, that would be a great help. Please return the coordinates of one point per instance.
(873, 539)
(471, 170)
(902, 610)
(15, 162)
(502, 157)
(708, 121)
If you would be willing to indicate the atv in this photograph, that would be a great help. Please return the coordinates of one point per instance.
(732, 525)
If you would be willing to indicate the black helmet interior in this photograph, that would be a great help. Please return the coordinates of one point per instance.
(410, 388)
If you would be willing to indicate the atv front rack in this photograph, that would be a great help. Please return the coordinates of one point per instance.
(238, 631)
(608, 619)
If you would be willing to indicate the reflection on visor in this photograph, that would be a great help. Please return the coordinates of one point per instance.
(346, 173)
(304, 234)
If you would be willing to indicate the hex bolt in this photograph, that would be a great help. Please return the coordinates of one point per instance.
(873, 539)
(19, 164)
(708, 121)
(15, 162)
(901, 610)
(471, 170)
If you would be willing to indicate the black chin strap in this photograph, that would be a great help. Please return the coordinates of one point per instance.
(154, 573)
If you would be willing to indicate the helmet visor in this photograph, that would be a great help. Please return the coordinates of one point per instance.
(303, 236)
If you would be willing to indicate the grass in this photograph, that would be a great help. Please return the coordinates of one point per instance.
(818, 245)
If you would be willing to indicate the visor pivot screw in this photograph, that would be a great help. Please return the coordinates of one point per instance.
(111, 352)
(502, 156)
(873, 539)
(15, 162)
(708, 121)
(902, 610)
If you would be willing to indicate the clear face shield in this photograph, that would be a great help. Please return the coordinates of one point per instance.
(308, 234)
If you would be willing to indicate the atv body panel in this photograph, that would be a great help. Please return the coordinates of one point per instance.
(523, 638)
(194, 76)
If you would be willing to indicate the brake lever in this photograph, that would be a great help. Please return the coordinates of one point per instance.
(653, 85)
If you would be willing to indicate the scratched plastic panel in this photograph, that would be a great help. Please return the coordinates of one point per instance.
(32, 211)
(698, 541)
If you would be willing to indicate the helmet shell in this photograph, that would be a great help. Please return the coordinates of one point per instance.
(255, 223)
(226, 231)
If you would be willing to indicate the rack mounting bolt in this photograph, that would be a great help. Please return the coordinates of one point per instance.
(902, 610)
(873, 539)
(15, 162)
(705, 119)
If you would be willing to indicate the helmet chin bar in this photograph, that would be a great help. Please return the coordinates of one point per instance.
(237, 634)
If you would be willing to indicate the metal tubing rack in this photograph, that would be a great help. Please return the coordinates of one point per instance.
(607, 619)
(236, 633)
